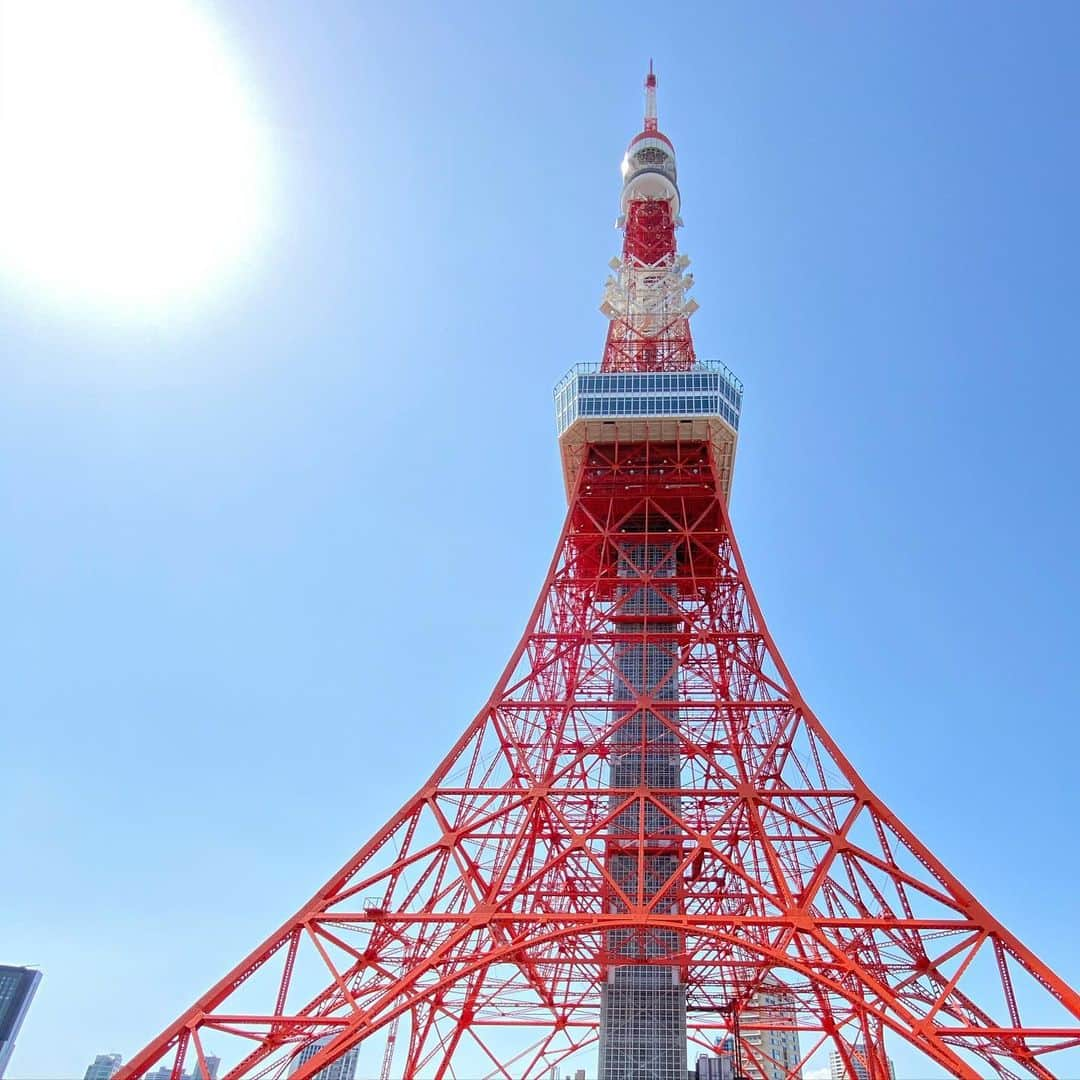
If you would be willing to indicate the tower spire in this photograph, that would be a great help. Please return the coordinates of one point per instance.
(646, 300)
(650, 99)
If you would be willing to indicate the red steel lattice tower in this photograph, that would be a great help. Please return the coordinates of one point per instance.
(645, 834)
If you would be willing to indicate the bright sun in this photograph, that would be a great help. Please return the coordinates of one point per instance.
(133, 166)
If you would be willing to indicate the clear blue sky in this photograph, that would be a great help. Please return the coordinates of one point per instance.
(232, 542)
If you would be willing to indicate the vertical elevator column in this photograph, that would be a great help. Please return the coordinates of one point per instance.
(643, 1005)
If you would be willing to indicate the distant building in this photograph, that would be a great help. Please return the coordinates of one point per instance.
(769, 1038)
(717, 1066)
(342, 1069)
(165, 1072)
(17, 988)
(103, 1067)
(579, 1075)
(839, 1071)
(769, 1030)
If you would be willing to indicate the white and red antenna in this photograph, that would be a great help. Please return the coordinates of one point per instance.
(645, 300)
(650, 99)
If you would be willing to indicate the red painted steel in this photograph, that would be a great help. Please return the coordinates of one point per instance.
(651, 342)
(480, 913)
(388, 1053)
(481, 906)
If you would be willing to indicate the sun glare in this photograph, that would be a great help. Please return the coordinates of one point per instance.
(134, 168)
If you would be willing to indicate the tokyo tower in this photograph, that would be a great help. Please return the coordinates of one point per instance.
(645, 833)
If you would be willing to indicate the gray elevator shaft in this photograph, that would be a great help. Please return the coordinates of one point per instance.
(643, 1006)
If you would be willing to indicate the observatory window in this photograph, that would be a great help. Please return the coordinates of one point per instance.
(651, 156)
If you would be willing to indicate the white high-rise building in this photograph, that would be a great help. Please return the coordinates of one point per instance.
(769, 1040)
(839, 1071)
(768, 1028)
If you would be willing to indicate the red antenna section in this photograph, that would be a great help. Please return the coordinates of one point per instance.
(645, 845)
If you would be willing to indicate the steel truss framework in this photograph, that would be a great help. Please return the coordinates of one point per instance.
(480, 917)
(649, 328)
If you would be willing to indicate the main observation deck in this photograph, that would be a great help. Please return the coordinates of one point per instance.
(699, 405)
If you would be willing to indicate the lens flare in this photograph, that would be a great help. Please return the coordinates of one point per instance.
(134, 167)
